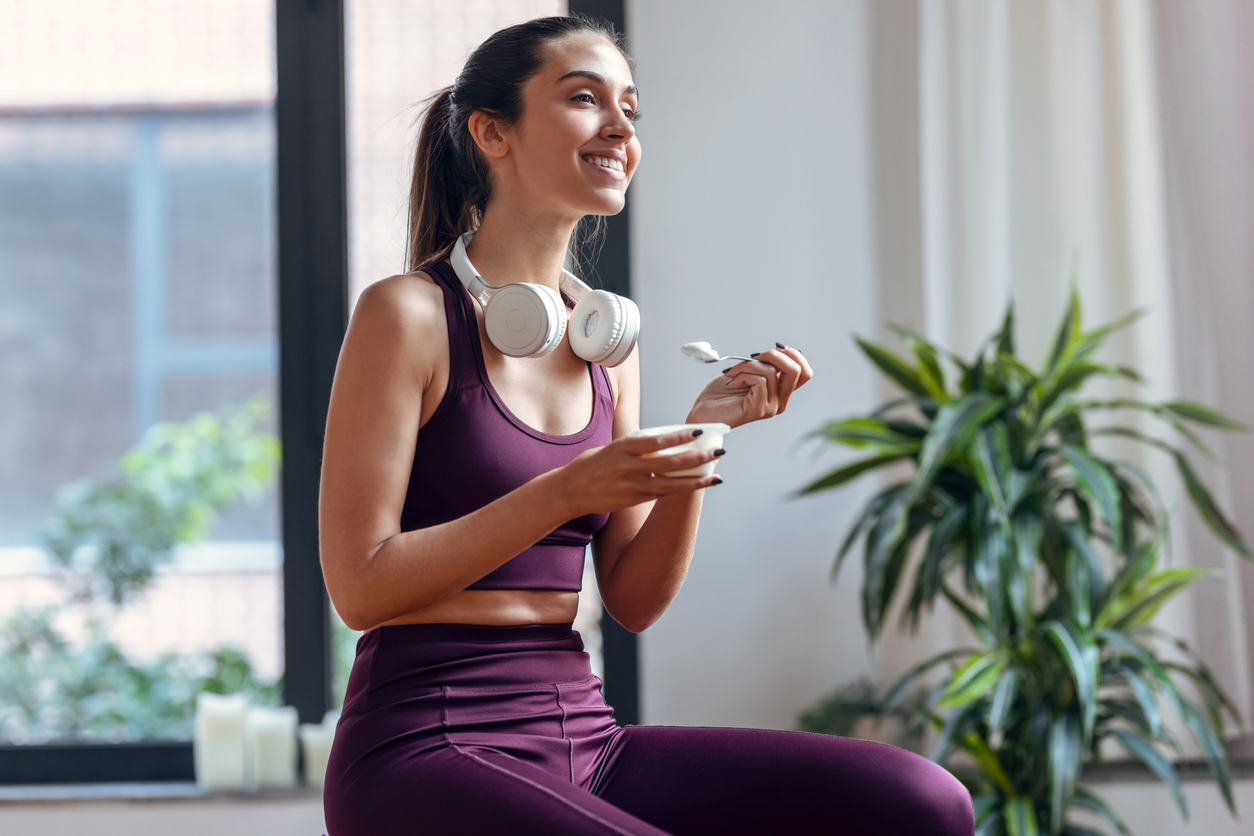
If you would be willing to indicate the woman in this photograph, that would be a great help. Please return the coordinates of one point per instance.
(460, 485)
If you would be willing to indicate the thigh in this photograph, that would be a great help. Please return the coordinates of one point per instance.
(762, 782)
(460, 790)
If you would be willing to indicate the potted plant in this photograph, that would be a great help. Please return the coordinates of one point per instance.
(1053, 554)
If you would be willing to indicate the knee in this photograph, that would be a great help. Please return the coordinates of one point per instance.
(939, 802)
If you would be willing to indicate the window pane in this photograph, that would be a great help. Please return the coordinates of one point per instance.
(139, 552)
(398, 53)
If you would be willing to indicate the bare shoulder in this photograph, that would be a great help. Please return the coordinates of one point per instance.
(404, 311)
(408, 299)
(408, 305)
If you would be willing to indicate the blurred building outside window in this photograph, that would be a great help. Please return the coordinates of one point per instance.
(137, 285)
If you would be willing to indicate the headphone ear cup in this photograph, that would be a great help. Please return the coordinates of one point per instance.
(525, 320)
(630, 335)
(604, 327)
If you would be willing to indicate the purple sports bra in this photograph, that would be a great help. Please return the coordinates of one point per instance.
(473, 450)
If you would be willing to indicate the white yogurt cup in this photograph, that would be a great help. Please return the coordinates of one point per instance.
(711, 438)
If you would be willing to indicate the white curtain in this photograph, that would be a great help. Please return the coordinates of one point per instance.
(1118, 131)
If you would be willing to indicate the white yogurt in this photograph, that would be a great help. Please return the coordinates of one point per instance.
(702, 352)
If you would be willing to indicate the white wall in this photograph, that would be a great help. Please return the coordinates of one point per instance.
(752, 221)
(750, 225)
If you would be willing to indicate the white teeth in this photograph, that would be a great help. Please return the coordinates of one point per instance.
(606, 162)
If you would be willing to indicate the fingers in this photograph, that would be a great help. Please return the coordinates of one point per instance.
(764, 380)
(806, 371)
(803, 364)
(635, 469)
(683, 461)
(763, 391)
(669, 485)
(792, 371)
(789, 374)
(641, 444)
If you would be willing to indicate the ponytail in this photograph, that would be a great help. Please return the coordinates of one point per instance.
(444, 199)
(451, 186)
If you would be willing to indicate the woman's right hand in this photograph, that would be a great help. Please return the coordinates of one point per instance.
(620, 474)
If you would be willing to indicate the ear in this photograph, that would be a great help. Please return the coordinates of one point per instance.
(487, 133)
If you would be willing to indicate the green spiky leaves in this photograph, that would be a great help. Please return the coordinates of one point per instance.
(1048, 550)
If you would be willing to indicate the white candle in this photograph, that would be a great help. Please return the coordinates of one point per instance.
(218, 741)
(315, 740)
(270, 741)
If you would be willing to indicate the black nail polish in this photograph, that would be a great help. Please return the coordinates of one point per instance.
(696, 433)
(720, 451)
(755, 354)
(780, 345)
(726, 370)
(717, 482)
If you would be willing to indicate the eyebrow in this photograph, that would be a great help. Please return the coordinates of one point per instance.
(597, 77)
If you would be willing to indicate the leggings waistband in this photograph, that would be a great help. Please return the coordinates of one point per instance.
(473, 633)
(407, 658)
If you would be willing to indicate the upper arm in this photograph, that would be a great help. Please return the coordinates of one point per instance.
(621, 528)
(386, 362)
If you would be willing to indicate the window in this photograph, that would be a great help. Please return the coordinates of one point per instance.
(161, 255)
(137, 274)
(139, 517)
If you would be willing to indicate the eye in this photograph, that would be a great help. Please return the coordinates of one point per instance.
(632, 114)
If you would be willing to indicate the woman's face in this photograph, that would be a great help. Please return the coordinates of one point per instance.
(579, 106)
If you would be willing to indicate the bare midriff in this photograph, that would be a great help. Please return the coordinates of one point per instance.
(497, 606)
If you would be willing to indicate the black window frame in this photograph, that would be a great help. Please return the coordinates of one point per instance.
(313, 304)
(620, 648)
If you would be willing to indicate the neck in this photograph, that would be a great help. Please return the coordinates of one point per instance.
(511, 246)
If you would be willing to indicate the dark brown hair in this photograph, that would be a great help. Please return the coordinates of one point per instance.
(450, 188)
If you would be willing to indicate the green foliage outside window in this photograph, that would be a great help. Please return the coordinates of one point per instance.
(1052, 553)
(109, 535)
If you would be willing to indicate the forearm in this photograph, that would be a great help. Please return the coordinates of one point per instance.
(652, 567)
(415, 569)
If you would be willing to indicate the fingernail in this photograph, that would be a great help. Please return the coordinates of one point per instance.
(696, 433)
(720, 451)
(780, 345)
(726, 370)
(717, 481)
(755, 354)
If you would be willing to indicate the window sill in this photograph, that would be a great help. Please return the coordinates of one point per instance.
(153, 791)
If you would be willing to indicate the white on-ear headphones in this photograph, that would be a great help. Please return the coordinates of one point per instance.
(529, 320)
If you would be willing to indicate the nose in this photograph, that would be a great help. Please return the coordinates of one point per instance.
(619, 128)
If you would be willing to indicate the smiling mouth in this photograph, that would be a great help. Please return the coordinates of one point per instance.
(607, 165)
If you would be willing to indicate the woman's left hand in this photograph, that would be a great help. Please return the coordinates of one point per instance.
(753, 389)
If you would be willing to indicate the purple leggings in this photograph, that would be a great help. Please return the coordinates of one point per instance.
(476, 730)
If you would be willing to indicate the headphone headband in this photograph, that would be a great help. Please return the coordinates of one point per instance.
(608, 325)
(574, 286)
